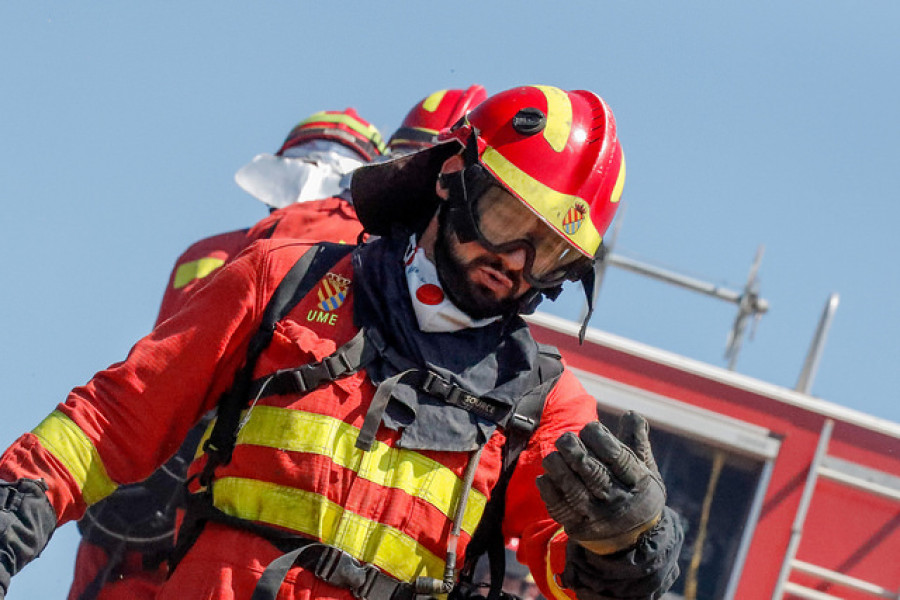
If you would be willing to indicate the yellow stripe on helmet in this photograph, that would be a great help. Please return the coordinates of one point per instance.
(67, 442)
(368, 131)
(432, 102)
(559, 117)
(620, 183)
(552, 206)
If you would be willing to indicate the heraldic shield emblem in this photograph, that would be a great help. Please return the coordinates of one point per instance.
(332, 291)
(573, 219)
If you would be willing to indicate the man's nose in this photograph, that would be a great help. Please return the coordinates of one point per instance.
(515, 259)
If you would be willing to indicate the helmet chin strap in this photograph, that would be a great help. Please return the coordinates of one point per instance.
(588, 283)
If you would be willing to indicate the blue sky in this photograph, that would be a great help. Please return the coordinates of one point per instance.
(744, 124)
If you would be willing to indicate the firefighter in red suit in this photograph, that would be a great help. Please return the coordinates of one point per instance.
(127, 538)
(306, 183)
(377, 412)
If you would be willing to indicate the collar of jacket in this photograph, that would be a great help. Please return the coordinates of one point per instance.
(497, 361)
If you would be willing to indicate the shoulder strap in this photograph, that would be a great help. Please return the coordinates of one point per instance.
(488, 535)
(298, 282)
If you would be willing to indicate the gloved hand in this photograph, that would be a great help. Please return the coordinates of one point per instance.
(27, 520)
(645, 571)
(604, 491)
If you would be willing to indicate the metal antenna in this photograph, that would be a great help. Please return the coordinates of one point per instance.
(808, 374)
(749, 305)
(749, 302)
(609, 242)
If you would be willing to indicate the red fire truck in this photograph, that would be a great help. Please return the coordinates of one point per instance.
(783, 495)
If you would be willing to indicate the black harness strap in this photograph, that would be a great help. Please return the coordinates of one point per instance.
(376, 409)
(105, 574)
(336, 567)
(488, 536)
(299, 281)
(365, 346)
(330, 564)
(347, 359)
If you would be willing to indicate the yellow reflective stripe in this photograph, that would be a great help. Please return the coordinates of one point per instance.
(547, 202)
(432, 102)
(316, 516)
(425, 130)
(620, 183)
(395, 468)
(556, 590)
(559, 117)
(68, 443)
(367, 131)
(196, 269)
(387, 547)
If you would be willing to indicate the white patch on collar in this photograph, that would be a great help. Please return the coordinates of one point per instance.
(434, 311)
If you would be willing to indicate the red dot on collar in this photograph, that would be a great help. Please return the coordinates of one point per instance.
(430, 294)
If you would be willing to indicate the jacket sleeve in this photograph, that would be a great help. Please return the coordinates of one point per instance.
(129, 418)
(563, 569)
(542, 544)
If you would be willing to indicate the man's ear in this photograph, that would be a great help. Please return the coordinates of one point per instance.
(453, 164)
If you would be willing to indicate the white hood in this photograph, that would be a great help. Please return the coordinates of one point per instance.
(312, 171)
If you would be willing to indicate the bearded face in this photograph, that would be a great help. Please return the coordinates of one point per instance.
(479, 282)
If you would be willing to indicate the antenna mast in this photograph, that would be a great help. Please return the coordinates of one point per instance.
(749, 302)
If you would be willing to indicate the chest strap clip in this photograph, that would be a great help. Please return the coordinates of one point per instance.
(342, 570)
(455, 395)
(335, 567)
(310, 376)
(344, 361)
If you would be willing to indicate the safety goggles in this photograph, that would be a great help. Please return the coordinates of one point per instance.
(502, 223)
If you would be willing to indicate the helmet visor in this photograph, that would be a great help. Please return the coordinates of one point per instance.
(504, 224)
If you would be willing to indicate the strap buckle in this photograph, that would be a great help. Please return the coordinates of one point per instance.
(342, 570)
(436, 386)
(306, 378)
(337, 365)
(523, 423)
(455, 395)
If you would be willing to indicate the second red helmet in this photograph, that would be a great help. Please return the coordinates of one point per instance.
(343, 126)
(432, 114)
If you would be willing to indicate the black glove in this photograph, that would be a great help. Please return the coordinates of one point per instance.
(604, 492)
(643, 572)
(27, 520)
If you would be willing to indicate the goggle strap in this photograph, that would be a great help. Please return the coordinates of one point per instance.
(470, 153)
(458, 206)
(588, 281)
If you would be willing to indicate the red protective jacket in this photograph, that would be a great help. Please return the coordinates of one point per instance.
(329, 219)
(295, 465)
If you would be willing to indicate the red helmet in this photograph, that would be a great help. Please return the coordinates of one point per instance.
(345, 127)
(429, 116)
(556, 151)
